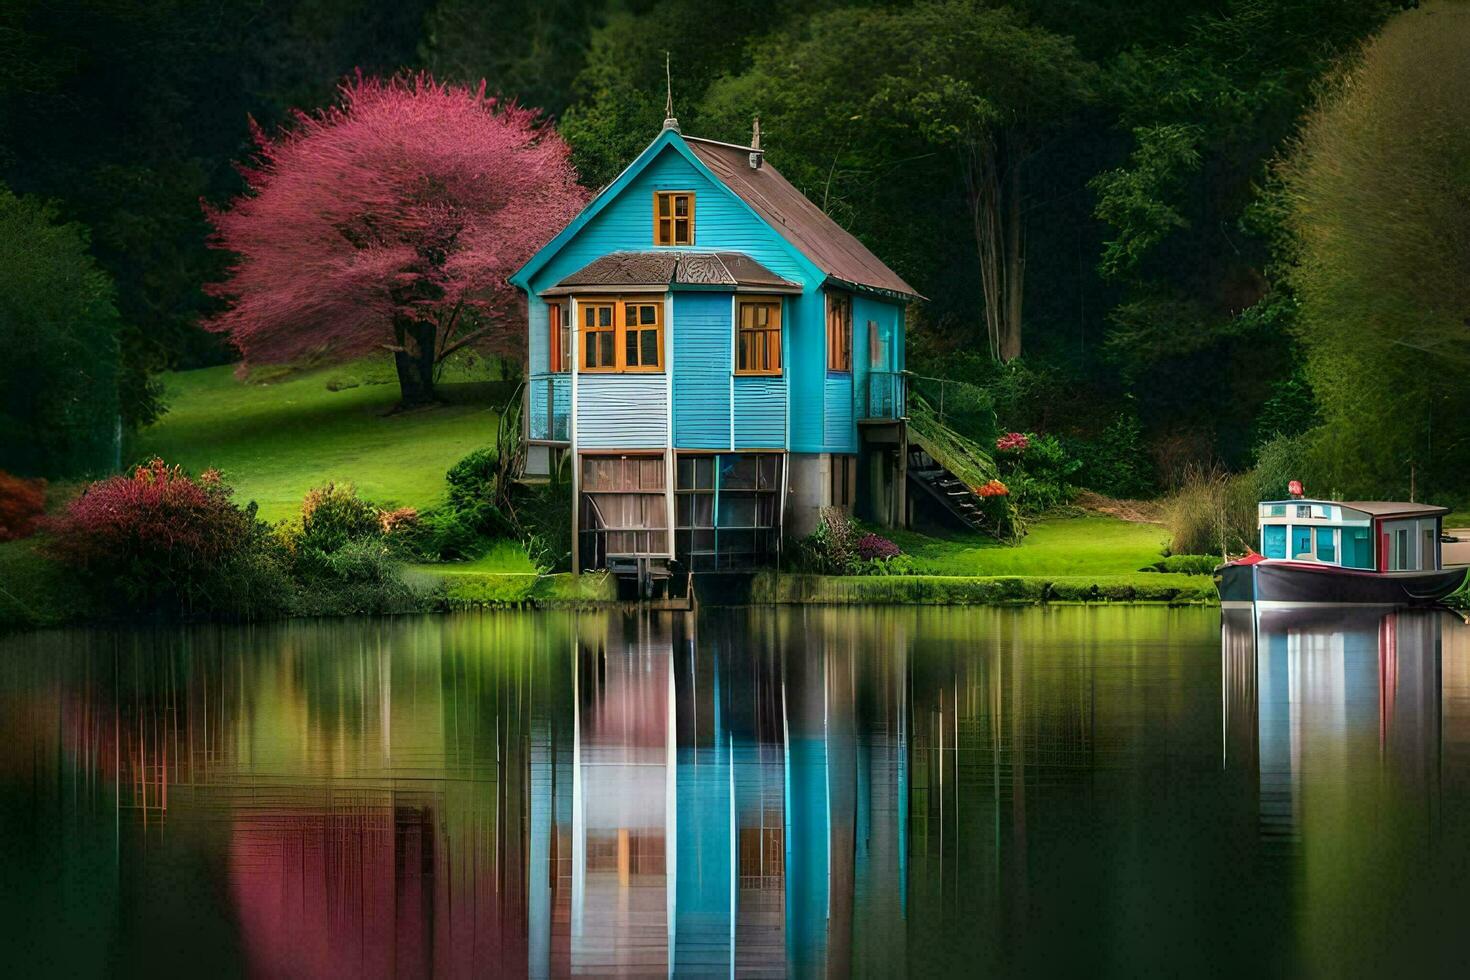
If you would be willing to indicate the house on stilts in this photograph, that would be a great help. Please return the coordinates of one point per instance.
(716, 360)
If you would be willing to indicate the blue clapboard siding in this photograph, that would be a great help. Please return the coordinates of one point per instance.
(721, 221)
(805, 357)
(622, 411)
(538, 344)
(703, 332)
(841, 430)
(760, 413)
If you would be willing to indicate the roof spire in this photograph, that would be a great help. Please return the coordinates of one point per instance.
(755, 144)
(669, 121)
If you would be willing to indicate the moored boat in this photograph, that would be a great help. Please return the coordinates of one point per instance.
(1316, 552)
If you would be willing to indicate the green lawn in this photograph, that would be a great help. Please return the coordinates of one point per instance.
(504, 558)
(1066, 547)
(274, 441)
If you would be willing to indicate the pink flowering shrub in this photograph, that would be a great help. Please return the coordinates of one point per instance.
(22, 504)
(1013, 442)
(160, 541)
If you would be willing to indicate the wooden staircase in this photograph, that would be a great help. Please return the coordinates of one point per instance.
(935, 481)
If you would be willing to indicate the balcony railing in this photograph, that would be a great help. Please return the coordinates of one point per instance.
(882, 396)
(549, 407)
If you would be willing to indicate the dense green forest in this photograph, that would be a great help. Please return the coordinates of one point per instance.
(1180, 237)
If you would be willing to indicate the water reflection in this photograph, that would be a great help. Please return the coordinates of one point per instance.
(757, 792)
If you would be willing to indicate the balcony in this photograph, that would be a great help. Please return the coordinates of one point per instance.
(881, 397)
(549, 407)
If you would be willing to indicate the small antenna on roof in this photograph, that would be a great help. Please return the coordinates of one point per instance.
(669, 121)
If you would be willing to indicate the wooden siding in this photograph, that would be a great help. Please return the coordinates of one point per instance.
(703, 335)
(760, 412)
(622, 411)
(723, 222)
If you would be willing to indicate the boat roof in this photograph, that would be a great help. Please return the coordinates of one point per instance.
(1377, 508)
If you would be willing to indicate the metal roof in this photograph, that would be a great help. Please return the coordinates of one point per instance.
(678, 269)
(1391, 508)
(826, 243)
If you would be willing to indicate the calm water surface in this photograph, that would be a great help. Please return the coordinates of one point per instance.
(764, 792)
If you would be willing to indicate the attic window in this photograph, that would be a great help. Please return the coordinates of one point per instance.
(673, 218)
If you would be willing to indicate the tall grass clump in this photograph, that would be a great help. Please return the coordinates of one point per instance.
(1212, 512)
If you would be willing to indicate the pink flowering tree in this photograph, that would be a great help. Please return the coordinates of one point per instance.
(392, 221)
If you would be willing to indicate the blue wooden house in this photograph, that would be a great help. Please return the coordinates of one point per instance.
(716, 359)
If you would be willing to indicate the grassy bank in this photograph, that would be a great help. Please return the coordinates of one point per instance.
(274, 440)
(1065, 547)
(976, 590)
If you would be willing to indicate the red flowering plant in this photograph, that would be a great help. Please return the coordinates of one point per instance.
(1013, 442)
(160, 541)
(992, 488)
(22, 504)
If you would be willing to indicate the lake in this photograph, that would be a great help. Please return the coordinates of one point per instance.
(765, 791)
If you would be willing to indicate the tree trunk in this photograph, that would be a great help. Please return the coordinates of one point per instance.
(993, 186)
(414, 360)
(1010, 347)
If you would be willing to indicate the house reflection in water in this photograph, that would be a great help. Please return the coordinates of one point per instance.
(703, 818)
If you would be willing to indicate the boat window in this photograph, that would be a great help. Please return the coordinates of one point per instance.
(1357, 548)
(1301, 543)
(1273, 541)
(1402, 559)
(1276, 510)
(1303, 510)
(1428, 555)
(1326, 545)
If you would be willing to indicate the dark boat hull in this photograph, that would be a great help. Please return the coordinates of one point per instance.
(1297, 583)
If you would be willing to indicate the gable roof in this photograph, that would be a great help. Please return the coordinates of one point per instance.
(807, 230)
(688, 270)
(829, 246)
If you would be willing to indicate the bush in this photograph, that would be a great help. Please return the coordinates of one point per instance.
(541, 518)
(1116, 463)
(832, 548)
(1187, 564)
(872, 546)
(160, 542)
(1038, 471)
(347, 555)
(22, 505)
(895, 564)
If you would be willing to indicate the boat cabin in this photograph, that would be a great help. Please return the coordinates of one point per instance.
(1381, 536)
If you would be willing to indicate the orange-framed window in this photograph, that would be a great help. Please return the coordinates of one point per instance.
(599, 336)
(673, 218)
(758, 335)
(622, 334)
(642, 327)
(560, 330)
(839, 332)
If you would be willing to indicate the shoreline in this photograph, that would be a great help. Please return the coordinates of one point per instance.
(562, 591)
